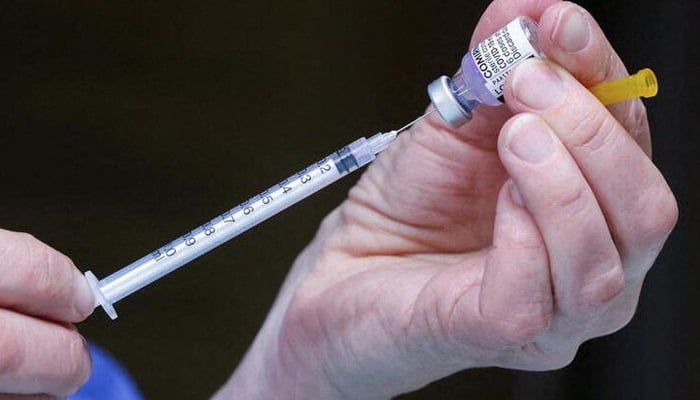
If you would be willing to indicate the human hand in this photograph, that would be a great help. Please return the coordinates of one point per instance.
(41, 293)
(506, 243)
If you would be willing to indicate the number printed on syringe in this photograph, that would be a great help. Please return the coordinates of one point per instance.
(235, 221)
(244, 210)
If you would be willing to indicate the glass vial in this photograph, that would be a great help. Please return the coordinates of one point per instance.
(483, 72)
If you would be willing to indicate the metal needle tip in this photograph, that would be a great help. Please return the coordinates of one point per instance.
(415, 121)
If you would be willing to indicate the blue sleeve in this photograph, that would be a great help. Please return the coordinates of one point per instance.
(109, 380)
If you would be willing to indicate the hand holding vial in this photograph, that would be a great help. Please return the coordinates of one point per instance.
(508, 241)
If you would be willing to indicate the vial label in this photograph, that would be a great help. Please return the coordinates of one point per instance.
(496, 56)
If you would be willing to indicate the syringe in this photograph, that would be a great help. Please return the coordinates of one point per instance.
(454, 99)
(239, 219)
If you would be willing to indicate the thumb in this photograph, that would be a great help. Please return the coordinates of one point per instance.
(515, 302)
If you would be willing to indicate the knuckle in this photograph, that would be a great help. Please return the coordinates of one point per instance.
(621, 319)
(656, 214)
(593, 131)
(571, 199)
(620, 313)
(561, 359)
(605, 287)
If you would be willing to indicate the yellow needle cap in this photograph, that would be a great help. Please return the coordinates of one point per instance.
(641, 84)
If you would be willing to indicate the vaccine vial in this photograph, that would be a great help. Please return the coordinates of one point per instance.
(483, 72)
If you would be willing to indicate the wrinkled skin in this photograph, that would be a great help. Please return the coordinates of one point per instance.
(506, 243)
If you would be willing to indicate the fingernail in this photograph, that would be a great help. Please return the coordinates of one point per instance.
(572, 31)
(84, 299)
(515, 195)
(529, 138)
(537, 85)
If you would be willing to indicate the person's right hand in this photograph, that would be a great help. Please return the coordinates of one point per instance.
(41, 294)
(506, 243)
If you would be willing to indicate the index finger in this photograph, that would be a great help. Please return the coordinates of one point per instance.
(635, 198)
(571, 37)
(38, 280)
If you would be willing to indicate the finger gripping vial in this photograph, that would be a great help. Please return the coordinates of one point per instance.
(483, 72)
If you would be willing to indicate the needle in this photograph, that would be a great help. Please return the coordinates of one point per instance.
(415, 121)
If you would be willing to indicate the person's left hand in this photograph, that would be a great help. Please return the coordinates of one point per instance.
(473, 248)
(42, 293)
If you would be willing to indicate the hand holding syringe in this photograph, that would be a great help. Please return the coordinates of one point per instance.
(454, 99)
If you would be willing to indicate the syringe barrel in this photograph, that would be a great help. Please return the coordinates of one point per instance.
(233, 222)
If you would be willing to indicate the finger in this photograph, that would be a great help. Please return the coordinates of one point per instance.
(585, 266)
(37, 356)
(618, 313)
(515, 301)
(482, 129)
(501, 12)
(456, 164)
(38, 280)
(571, 37)
(637, 202)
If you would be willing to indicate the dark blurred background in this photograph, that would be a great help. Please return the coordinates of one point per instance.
(124, 124)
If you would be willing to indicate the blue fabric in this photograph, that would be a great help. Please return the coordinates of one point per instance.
(109, 380)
